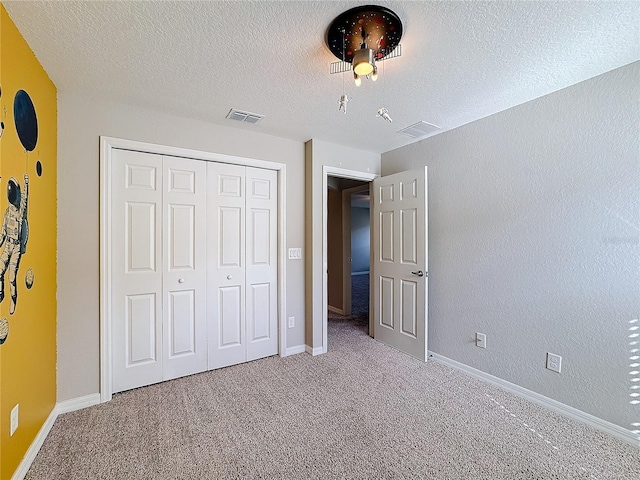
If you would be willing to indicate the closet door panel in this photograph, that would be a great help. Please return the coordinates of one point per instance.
(185, 263)
(136, 272)
(262, 262)
(226, 264)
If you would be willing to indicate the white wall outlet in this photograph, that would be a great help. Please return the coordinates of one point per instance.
(295, 253)
(481, 340)
(554, 362)
(14, 419)
(292, 322)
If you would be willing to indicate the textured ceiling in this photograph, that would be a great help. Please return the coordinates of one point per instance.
(460, 61)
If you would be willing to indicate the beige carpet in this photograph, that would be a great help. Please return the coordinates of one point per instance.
(362, 410)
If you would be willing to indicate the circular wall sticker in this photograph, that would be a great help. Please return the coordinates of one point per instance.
(24, 115)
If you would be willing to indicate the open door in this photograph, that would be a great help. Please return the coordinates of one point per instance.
(400, 276)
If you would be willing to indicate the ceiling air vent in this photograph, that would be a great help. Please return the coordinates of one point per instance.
(419, 129)
(246, 117)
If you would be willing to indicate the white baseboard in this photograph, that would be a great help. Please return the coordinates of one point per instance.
(33, 450)
(558, 407)
(314, 351)
(78, 403)
(353, 274)
(60, 408)
(295, 350)
(335, 310)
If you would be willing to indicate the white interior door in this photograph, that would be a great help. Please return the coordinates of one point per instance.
(226, 264)
(400, 275)
(185, 267)
(261, 263)
(136, 276)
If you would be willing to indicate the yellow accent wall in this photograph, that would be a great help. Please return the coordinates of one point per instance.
(28, 355)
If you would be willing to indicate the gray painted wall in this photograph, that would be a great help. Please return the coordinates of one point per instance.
(360, 239)
(534, 215)
(81, 120)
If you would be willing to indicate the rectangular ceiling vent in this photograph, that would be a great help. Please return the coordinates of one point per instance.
(246, 117)
(420, 129)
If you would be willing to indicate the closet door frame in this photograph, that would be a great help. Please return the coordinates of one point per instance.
(107, 145)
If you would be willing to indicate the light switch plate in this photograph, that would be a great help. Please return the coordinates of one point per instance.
(14, 419)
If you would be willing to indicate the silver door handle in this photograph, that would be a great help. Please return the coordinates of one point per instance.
(229, 277)
(419, 273)
(181, 280)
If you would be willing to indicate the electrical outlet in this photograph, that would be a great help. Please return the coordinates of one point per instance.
(14, 419)
(292, 322)
(554, 362)
(481, 340)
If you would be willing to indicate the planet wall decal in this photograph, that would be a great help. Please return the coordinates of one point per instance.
(24, 115)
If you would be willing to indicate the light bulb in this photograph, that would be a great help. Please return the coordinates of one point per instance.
(374, 74)
(357, 79)
(363, 63)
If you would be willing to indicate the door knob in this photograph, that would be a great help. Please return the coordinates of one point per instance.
(418, 273)
(181, 280)
(229, 277)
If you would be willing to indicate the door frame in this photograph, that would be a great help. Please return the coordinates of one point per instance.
(107, 145)
(328, 171)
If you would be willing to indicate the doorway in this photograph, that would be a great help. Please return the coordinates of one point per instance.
(348, 251)
(399, 241)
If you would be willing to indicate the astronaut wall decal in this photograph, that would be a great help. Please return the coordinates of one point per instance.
(15, 227)
(14, 237)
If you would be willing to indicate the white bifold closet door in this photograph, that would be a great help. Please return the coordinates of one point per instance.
(194, 266)
(242, 265)
(158, 268)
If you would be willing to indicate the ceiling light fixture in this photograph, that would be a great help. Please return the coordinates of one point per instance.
(384, 114)
(363, 62)
(382, 111)
(362, 36)
(344, 99)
